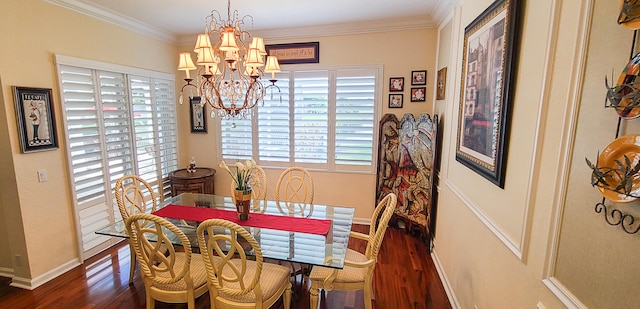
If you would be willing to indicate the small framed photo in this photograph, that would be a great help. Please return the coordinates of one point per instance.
(396, 84)
(36, 120)
(197, 112)
(395, 101)
(418, 94)
(442, 83)
(418, 77)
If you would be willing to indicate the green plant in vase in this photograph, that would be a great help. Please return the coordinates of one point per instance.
(240, 174)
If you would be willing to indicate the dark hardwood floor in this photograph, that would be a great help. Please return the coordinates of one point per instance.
(405, 277)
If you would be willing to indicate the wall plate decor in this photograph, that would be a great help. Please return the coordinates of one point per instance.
(396, 84)
(629, 14)
(418, 94)
(441, 84)
(418, 77)
(395, 100)
(615, 174)
(36, 121)
(294, 53)
(486, 90)
(625, 95)
(198, 115)
(407, 157)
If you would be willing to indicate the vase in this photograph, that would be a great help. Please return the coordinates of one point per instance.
(243, 203)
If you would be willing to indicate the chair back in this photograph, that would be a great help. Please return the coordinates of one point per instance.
(229, 274)
(294, 190)
(379, 222)
(258, 183)
(151, 238)
(134, 195)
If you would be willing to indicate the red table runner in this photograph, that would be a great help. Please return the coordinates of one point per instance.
(283, 223)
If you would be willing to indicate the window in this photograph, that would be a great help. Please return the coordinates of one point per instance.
(321, 119)
(118, 121)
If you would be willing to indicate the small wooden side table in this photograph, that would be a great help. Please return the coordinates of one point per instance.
(200, 181)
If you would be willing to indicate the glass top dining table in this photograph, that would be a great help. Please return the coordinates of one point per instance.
(279, 244)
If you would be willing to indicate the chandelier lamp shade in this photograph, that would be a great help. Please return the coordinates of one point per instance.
(229, 73)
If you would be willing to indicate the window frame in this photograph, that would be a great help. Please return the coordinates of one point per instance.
(330, 166)
(164, 163)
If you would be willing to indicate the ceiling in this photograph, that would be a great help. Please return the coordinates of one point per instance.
(172, 20)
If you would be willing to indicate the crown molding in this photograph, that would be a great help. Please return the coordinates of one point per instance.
(373, 26)
(114, 18)
(385, 25)
(443, 10)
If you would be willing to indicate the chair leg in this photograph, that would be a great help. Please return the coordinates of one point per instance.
(151, 303)
(367, 296)
(287, 297)
(313, 296)
(132, 265)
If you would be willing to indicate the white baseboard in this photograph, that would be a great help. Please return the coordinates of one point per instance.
(30, 284)
(363, 221)
(6, 272)
(445, 282)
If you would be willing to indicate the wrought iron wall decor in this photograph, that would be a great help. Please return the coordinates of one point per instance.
(407, 159)
(618, 177)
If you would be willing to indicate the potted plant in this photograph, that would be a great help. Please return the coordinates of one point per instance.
(240, 174)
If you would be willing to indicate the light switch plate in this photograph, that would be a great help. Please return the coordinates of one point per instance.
(42, 175)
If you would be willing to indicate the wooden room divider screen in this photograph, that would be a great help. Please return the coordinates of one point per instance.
(407, 167)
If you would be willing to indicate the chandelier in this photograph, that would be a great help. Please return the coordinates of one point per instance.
(229, 77)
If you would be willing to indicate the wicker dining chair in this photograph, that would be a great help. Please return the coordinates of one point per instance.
(134, 195)
(235, 281)
(171, 276)
(294, 191)
(357, 273)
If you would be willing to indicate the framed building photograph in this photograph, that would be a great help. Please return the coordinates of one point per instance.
(486, 98)
(418, 78)
(36, 121)
(198, 116)
(396, 84)
(395, 101)
(441, 83)
(418, 94)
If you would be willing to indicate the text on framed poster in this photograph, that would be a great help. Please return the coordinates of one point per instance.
(295, 52)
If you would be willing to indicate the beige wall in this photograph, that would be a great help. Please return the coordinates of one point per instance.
(355, 190)
(539, 243)
(32, 31)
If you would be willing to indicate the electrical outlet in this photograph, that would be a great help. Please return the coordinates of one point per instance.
(18, 258)
(42, 175)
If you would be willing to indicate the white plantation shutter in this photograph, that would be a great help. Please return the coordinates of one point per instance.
(355, 116)
(166, 130)
(84, 126)
(273, 120)
(311, 114)
(106, 139)
(236, 138)
(326, 120)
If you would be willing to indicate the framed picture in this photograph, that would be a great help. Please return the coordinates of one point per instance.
(198, 118)
(36, 120)
(395, 101)
(418, 77)
(486, 90)
(396, 84)
(418, 94)
(441, 84)
(295, 52)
